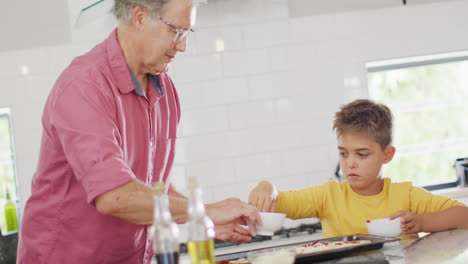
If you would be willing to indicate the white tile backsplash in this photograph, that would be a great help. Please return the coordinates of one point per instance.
(266, 34)
(263, 87)
(281, 57)
(276, 138)
(202, 121)
(24, 62)
(190, 95)
(213, 173)
(207, 147)
(13, 89)
(225, 91)
(238, 190)
(37, 88)
(215, 39)
(197, 68)
(246, 62)
(252, 114)
(258, 167)
(258, 90)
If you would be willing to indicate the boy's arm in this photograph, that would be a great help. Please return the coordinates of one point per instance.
(264, 196)
(451, 218)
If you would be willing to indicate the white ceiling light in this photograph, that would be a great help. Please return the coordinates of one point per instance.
(25, 69)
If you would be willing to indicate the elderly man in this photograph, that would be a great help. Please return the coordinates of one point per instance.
(109, 132)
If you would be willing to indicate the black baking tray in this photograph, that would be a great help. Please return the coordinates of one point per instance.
(376, 243)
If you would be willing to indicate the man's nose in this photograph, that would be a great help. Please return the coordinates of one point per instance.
(181, 45)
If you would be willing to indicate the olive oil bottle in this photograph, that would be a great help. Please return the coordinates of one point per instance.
(201, 232)
(165, 231)
(11, 218)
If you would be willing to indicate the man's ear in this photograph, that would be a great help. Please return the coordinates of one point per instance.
(388, 154)
(139, 14)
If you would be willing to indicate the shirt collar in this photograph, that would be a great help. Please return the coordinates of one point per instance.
(154, 81)
(118, 65)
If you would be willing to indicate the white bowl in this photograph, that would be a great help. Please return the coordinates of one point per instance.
(384, 227)
(272, 222)
(284, 255)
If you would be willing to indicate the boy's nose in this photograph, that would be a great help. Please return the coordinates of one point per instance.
(351, 163)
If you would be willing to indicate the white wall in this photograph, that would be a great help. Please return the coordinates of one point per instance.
(263, 107)
(28, 24)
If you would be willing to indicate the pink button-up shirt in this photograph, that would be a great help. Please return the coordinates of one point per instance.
(99, 134)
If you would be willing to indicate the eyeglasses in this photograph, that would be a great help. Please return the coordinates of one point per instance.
(181, 33)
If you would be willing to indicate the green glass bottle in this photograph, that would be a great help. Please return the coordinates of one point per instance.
(10, 213)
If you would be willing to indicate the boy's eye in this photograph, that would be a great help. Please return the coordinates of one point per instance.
(362, 155)
(343, 154)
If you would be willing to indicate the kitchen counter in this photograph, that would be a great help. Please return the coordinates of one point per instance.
(8, 243)
(441, 248)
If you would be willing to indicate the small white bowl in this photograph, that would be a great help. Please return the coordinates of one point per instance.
(284, 255)
(272, 222)
(384, 227)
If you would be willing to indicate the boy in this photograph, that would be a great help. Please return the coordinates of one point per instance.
(364, 135)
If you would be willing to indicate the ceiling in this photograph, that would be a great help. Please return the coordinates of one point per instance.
(31, 24)
(298, 8)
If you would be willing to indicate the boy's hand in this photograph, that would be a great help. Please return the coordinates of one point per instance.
(410, 222)
(263, 196)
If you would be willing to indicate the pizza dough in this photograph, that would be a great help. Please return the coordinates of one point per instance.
(242, 261)
(326, 246)
(313, 247)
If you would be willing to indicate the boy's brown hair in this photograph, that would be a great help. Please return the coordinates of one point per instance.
(366, 117)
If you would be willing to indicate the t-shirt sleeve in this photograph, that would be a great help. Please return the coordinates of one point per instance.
(423, 201)
(302, 203)
(85, 122)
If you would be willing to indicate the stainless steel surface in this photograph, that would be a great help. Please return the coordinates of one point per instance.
(376, 242)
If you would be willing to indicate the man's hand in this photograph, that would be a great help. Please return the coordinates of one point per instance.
(233, 233)
(264, 196)
(234, 211)
(410, 222)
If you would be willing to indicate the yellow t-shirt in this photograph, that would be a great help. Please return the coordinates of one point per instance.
(344, 212)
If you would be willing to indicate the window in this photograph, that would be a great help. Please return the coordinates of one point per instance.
(7, 168)
(429, 100)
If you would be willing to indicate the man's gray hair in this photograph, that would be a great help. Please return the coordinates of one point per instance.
(123, 8)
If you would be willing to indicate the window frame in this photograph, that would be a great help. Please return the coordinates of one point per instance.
(409, 62)
(5, 112)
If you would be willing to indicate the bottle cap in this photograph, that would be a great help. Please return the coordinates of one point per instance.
(192, 182)
(158, 188)
(7, 193)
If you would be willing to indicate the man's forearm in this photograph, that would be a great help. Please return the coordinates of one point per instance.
(132, 202)
(178, 205)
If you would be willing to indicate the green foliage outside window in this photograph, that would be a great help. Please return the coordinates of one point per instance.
(429, 105)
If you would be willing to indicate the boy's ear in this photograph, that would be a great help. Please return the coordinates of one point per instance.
(388, 154)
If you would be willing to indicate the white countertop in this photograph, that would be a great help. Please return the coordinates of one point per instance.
(448, 247)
